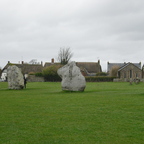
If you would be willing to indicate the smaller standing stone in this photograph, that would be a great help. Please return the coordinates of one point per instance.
(72, 79)
(15, 78)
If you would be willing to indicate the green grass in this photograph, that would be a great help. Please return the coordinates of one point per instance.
(105, 113)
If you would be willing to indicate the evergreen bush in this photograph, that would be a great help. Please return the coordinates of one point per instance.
(50, 73)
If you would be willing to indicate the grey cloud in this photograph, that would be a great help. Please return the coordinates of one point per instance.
(110, 30)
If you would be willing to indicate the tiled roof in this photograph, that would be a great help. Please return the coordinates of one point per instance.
(91, 67)
(110, 65)
(27, 68)
(49, 64)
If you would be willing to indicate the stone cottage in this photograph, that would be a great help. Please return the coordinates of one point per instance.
(129, 71)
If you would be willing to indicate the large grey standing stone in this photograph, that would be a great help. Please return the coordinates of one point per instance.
(15, 78)
(72, 79)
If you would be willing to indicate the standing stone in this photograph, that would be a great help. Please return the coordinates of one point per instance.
(72, 79)
(15, 78)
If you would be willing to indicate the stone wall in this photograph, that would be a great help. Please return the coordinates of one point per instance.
(33, 78)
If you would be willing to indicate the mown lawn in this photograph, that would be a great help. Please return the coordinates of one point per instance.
(105, 113)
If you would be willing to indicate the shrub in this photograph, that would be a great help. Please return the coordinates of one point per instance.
(50, 73)
(39, 74)
(31, 73)
(99, 79)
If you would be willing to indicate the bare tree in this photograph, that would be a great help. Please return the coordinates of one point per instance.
(33, 61)
(114, 71)
(64, 55)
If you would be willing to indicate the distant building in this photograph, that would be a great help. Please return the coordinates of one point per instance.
(130, 71)
(24, 67)
(126, 71)
(87, 68)
(111, 65)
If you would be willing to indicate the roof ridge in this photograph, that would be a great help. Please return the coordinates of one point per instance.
(127, 65)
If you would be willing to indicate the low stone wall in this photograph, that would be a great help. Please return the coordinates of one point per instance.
(33, 78)
(126, 80)
(117, 80)
(120, 80)
(142, 80)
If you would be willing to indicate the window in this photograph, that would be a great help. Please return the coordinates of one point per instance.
(125, 75)
(130, 73)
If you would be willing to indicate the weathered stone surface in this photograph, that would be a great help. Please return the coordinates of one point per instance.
(15, 78)
(72, 79)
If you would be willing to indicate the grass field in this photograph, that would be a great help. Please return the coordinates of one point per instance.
(105, 113)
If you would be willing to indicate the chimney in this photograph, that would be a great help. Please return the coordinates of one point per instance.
(52, 60)
(8, 62)
(98, 61)
(41, 63)
(22, 62)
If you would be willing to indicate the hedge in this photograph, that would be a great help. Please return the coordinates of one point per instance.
(53, 76)
(99, 79)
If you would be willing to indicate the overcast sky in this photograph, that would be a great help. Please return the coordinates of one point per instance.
(108, 30)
